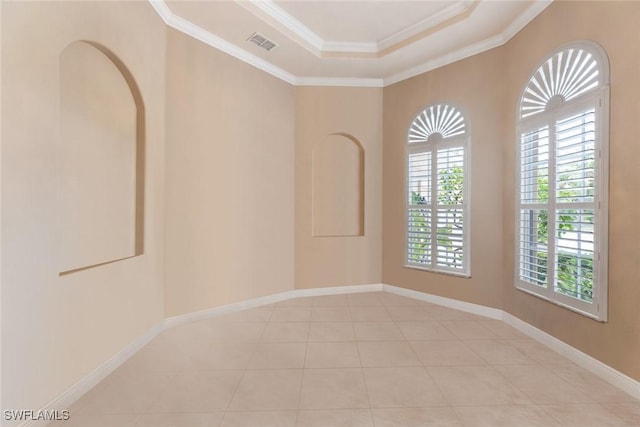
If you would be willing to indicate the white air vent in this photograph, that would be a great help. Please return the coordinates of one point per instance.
(260, 40)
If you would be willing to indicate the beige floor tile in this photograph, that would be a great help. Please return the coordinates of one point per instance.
(335, 418)
(384, 354)
(390, 300)
(333, 389)
(364, 299)
(425, 330)
(161, 354)
(332, 355)
(305, 355)
(401, 387)
(258, 314)
(496, 352)
(291, 314)
(439, 312)
(259, 419)
(597, 388)
(286, 332)
(330, 314)
(93, 420)
(377, 331)
(476, 386)
(585, 415)
(409, 313)
(195, 419)
(124, 394)
(502, 330)
(331, 331)
(468, 330)
(198, 391)
(629, 412)
(445, 353)
(214, 356)
(268, 390)
(540, 353)
(543, 386)
(369, 313)
(331, 301)
(278, 356)
(415, 417)
(296, 302)
(250, 332)
(505, 416)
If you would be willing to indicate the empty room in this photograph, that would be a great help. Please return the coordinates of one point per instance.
(281, 213)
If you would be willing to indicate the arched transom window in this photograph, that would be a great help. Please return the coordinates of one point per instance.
(437, 188)
(562, 180)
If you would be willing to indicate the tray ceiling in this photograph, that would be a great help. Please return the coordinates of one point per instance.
(354, 43)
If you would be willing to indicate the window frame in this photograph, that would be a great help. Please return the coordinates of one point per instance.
(434, 145)
(598, 100)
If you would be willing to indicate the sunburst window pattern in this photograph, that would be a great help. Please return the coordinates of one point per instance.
(443, 120)
(565, 76)
(437, 232)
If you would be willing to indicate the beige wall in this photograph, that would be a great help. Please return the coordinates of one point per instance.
(613, 25)
(230, 166)
(474, 86)
(239, 188)
(58, 329)
(487, 87)
(337, 260)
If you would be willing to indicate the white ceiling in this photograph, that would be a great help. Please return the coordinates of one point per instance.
(353, 43)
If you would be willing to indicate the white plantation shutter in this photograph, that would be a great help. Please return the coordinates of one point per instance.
(562, 181)
(437, 230)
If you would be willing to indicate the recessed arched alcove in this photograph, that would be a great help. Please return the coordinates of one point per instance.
(100, 153)
(338, 186)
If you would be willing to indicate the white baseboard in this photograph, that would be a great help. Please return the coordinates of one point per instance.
(66, 399)
(266, 300)
(481, 310)
(596, 367)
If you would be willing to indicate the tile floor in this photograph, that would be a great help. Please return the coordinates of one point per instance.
(368, 359)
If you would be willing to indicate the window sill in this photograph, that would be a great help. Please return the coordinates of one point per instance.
(446, 273)
(584, 313)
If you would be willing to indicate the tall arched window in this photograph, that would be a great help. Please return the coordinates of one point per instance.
(437, 191)
(562, 180)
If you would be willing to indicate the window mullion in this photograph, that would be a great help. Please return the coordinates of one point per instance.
(551, 210)
(434, 206)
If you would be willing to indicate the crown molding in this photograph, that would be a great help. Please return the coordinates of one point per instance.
(198, 33)
(307, 38)
(524, 18)
(268, 11)
(315, 44)
(443, 60)
(339, 82)
(458, 8)
(349, 47)
(474, 49)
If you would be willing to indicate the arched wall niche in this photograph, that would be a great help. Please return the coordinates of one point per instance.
(101, 158)
(338, 186)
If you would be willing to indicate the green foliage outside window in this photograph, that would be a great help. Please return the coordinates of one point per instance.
(574, 273)
(450, 190)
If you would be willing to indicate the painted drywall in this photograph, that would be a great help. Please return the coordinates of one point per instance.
(464, 85)
(614, 26)
(230, 172)
(97, 155)
(487, 87)
(58, 329)
(337, 187)
(337, 260)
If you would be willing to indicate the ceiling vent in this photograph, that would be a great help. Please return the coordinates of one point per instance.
(260, 40)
